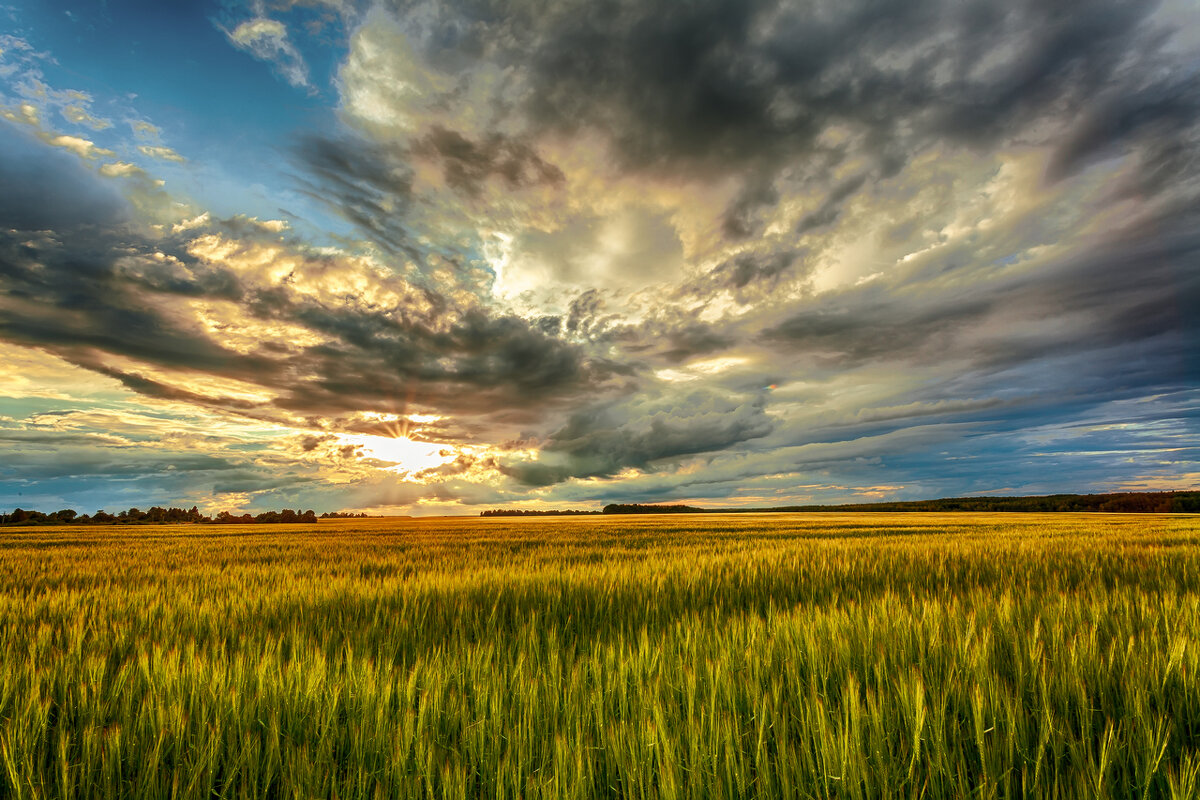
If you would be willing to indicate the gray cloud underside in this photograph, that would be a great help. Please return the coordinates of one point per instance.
(733, 85)
(87, 289)
(1137, 291)
(638, 432)
(718, 90)
(85, 472)
(76, 302)
(1002, 352)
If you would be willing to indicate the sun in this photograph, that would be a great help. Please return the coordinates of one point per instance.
(402, 453)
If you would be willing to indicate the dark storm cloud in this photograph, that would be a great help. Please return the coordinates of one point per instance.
(480, 365)
(369, 184)
(692, 339)
(670, 338)
(600, 441)
(846, 199)
(81, 305)
(467, 163)
(741, 219)
(584, 312)
(39, 455)
(678, 82)
(750, 268)
(88, 467)
(828, 213)
(729, 82)
(148, 387)
(88, 292)
(1160, 115)
(257, 480)
(879, 329)
(66, 293)
(1134, 291)
(746, 87)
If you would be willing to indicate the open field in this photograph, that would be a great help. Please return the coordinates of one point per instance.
(838, 655)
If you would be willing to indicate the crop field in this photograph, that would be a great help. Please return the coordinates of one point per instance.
(740, 656)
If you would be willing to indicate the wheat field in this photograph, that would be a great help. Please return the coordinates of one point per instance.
(739, 656)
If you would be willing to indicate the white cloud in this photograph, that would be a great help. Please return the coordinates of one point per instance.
(78, 114)
(267, 40)
(161, 153)
(385, 82)
(120, 169)
(26, 113)
(83, 148)
(144, 130)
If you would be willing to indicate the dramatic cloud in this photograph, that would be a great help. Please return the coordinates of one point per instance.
(249, 325)
(267, 40)
(725, 251)
(637, 433)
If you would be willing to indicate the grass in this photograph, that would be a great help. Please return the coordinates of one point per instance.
(655, 657)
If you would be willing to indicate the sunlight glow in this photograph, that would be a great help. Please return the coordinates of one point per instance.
(403, 454)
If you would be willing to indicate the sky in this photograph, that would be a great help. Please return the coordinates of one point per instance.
(438, 257)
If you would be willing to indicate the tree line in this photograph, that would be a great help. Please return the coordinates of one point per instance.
(132, 516)
(159, 515)
(1120, 502)
(638, 508)
(1117, 502)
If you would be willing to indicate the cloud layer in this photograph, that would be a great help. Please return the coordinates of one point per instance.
(753, 252)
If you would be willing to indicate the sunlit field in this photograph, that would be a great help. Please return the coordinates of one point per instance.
(844, 655)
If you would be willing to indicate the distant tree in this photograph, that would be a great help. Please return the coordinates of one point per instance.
(638, 508)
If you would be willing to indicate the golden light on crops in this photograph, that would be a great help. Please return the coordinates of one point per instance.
(937, 653)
